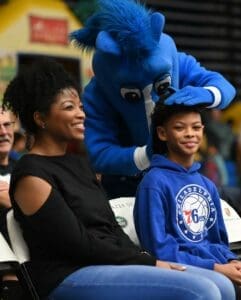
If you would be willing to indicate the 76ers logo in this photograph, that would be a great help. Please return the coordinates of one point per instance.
(195, 213)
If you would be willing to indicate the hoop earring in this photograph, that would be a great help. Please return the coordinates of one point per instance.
(43, 126)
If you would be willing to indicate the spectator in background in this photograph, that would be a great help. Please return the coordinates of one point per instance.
(220, 133)
(9, 286)
(19, 145)
(213, 165)
(238, 155)
(221, 136)
(6, 163)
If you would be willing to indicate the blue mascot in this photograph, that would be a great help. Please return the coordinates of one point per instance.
(135, 63)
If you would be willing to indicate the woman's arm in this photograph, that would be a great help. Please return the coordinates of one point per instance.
(52, 219)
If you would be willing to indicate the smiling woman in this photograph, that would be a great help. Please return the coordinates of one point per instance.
(63, 123)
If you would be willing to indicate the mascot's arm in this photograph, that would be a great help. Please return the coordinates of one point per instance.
(101, 136)
(200, 86)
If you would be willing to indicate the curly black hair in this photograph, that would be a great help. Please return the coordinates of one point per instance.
(35, 89)
(161, 115)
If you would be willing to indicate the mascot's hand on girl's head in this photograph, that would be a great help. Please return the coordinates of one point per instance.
(190, 95)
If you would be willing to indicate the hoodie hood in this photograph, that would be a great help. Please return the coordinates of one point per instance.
(160, 161)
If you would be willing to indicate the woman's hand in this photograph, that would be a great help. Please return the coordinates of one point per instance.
(171, 266)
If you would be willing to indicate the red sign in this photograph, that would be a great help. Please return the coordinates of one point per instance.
(48, 30)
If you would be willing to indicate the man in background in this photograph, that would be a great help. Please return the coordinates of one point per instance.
(10, 288)
(6, 163)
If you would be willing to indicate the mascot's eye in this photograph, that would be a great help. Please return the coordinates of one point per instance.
(131, 94)
(161, 86)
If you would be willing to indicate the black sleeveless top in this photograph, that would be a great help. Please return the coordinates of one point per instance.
(75, 227)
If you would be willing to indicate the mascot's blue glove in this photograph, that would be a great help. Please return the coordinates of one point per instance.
(190, 95)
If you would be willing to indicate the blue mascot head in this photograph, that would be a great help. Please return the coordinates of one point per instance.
(133, 58)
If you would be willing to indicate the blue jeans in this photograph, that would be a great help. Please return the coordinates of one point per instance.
(143, 283)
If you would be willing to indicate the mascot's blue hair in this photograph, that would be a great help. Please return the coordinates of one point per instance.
(127, 22)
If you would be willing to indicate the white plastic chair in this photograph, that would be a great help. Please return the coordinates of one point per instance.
(8, 260)
(123, 211)
(233, 226)
(21, 252)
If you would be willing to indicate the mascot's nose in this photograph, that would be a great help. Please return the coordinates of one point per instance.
(167, 93)
(149, 103)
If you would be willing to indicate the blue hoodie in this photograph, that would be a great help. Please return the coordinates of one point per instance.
(178, 215)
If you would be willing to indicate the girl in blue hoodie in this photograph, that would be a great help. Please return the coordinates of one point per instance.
(177, 211)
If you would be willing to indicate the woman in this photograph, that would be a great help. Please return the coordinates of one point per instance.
(77, 249)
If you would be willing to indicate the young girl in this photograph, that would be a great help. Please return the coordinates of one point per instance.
(177, 211)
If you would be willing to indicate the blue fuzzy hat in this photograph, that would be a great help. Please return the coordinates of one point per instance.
(121, 27)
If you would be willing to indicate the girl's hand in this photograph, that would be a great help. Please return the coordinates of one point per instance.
(231, 270)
